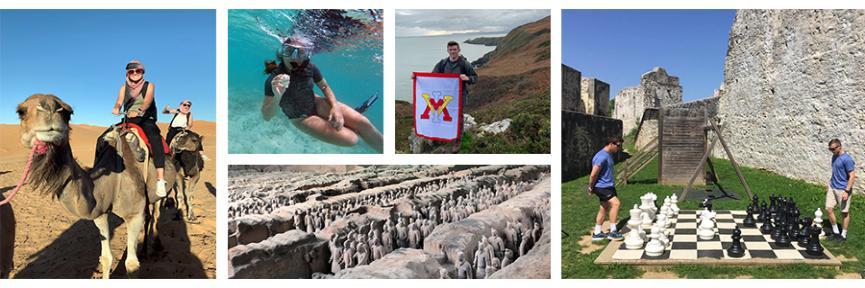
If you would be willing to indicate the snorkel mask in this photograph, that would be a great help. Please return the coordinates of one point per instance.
(295, 51)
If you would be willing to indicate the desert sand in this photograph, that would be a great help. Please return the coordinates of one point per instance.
(50, 243)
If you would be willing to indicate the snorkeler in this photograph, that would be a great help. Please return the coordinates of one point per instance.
(324, 118)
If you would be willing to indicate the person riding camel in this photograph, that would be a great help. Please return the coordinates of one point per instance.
(136, 97)
(182, 119)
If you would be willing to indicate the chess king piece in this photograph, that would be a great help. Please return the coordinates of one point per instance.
(736, 250)
(706, 230)
(814, 247)
(655, 248)
(818, 221)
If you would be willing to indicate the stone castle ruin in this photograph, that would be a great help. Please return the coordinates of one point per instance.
(390, 222)
(657, 89)
(585, 121)
(793, 80)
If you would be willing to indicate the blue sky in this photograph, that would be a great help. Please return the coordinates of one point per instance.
(80, 56)
(617, 46)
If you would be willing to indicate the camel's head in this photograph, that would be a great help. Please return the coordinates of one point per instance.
(44, 118)
(187, 141)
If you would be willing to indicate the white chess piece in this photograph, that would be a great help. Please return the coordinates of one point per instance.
(706, 230)
(645, 219)
(818, 221)
(655, 248)
(648, 206)
(674, 204)
(662, 232)
(633, 240)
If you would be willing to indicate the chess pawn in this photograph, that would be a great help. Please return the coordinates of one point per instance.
(662, 233)
(783, 239)
(749, 220)
(767, 227)
(655, 248)
(736, 250)
(674, 204)
(818, 221)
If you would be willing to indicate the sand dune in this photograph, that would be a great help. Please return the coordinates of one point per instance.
(50, 243)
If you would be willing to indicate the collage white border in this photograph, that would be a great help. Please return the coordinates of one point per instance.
(389, 6)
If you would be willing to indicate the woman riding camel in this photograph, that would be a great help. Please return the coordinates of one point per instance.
(182, 119)
(324, 118)
(136, 98)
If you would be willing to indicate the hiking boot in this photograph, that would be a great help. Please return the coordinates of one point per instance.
(599, 236)
(160, 189)
(615, 236)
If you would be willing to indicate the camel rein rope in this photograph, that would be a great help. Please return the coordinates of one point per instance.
(38, 148)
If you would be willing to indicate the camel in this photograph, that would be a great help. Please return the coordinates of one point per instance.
(7, 239)
(186, 150)
(114, 185)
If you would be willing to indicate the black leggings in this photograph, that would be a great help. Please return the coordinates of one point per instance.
(154, 136)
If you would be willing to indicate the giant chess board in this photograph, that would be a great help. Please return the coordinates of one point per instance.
(686, 247)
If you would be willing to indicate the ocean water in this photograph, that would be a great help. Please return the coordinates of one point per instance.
(420, 54)
(353, 68)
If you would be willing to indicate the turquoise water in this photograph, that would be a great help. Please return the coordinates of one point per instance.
(420, 54)
(353, 68)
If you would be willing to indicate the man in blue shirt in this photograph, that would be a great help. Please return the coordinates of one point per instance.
(840, 189)
(602, 185)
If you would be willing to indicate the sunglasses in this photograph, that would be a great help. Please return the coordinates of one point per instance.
(134, 71)
(833, 148)
(186, 105)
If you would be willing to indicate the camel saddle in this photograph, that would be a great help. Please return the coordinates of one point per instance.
(142, 138)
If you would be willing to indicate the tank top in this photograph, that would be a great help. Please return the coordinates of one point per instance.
(181, 122)
(132, 102)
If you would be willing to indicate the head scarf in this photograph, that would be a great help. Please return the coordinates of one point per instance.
(133, 88)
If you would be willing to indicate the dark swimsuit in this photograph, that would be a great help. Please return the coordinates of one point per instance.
(298, 100)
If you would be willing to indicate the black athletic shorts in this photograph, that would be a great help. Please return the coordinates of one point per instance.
(604, 194)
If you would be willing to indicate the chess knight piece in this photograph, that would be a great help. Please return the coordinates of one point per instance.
(804, 233)
(706, 230)
(736, 250)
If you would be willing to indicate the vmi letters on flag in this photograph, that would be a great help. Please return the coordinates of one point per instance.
(437, 106)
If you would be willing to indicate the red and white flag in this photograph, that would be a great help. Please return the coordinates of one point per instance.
(437, 106)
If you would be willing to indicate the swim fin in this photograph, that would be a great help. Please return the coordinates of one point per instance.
(366, 104)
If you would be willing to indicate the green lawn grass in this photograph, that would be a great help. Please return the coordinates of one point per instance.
(579, 209)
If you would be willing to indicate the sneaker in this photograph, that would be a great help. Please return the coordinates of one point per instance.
(599, 236)
(160, 189)
(615, 236)
(838, 238)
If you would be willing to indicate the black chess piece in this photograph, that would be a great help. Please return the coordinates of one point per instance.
(736, 250)
(779, 229)
(814, 247)
(764, 213)
(773, 205)
(755, 205)
(767, 227)
(783, 239)
(804, 233)
(749, 220)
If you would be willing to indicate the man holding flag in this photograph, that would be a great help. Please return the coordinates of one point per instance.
(457, 64)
